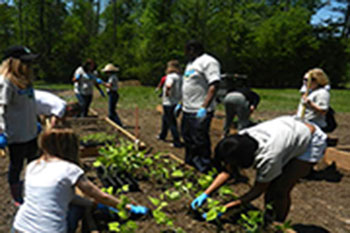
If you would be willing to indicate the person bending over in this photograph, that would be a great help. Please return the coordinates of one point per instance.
(281, 151)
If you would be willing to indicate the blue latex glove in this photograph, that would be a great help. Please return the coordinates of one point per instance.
(3, 141)
(204, 216)
(137, 209)
(78, 77)
(39, 128)
(202, 112)
(99, 81)
(102, 93)
(177, 110)
(199, 201)
(106, 209)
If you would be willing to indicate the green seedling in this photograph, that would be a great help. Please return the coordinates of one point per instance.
(160, 216)
(214, 210)
(98, 137)
(252, 221)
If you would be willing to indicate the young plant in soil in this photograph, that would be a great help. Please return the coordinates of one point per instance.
(98, 138)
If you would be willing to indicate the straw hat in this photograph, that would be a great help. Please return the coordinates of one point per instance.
(110, 68)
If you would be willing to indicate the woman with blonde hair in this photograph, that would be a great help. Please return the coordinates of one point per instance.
(314, 103)
(18, 122)
(49, 186)
(171, 97)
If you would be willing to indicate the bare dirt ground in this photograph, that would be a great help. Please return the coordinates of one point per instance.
(319, 204)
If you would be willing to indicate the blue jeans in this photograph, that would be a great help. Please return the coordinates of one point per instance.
(84, 102)
(18, 153)
(113, 97)
(195, 133)
(169, 122)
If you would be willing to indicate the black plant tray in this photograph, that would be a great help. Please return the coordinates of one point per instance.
(117, 179)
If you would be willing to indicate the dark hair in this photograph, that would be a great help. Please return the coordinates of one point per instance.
(236, 150)
(61, 143)
(87, 64)
(195, 45)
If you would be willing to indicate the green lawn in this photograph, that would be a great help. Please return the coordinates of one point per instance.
(271, 99)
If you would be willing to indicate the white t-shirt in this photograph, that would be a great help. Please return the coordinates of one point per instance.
(49, 188)
(173, 81)
(48, 104)
(321, 98)
(85, 83)
(280, 140)
(113, 80)
(199, 74)
(17, 112)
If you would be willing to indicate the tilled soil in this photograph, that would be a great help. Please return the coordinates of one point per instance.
(319, 204)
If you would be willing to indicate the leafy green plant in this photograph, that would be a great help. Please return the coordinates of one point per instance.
(160, 216)
(98, 137)
(215, 210)
(252, 221)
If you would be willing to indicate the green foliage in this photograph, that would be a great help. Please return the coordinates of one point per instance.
(98, 137)
(252, 221)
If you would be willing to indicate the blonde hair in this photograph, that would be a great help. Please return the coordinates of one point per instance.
(18, 72)
(173, 66)
(319, 75)
(61, 143)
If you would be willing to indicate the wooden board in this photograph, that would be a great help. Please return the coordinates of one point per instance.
(341, 158)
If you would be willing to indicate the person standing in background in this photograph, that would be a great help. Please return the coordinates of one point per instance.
(170, 97)
(200, 81)
(18, 119)
(84, 80)
(315, 101)
(112, 89)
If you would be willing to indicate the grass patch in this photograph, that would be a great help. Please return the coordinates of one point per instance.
(276, 100)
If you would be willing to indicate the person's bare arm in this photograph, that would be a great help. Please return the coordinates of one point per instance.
(210, 95)
(314, 106)
(91, 190)
(218, 181)
(252, 194)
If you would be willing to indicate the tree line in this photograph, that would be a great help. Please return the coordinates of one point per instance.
(271, 41)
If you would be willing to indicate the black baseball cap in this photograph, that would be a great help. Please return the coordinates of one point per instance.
(20, 52)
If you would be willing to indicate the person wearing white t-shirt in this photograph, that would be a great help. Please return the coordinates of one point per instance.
(315, 103)
(171, 95)
(281, 150)
(49, 186)
(200, 81)
(84, 80)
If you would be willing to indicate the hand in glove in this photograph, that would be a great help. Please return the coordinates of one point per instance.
(199, 201)
(3, 141)
(138, 209)
(202, 112)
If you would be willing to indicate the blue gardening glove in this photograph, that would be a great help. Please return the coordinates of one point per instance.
(39, 128)
(202, 112)
(3, 141)
(102, 93)
(199, 201)
(106, 209)
(99, 81)
(177, 110)
(138, 209)
(78, 77)
(204, 216)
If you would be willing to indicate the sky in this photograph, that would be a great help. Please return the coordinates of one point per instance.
(326, 13)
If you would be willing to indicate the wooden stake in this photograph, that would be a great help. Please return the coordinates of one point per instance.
(308, 85)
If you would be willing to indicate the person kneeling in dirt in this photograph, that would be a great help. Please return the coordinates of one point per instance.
(49, 187)
(52, 106)
(281, 151)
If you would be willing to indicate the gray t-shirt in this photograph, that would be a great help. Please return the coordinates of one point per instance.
(280, 140)
(173, 81)
(321, 98)
(17, 112)
(85, 83)
(113, 80)
(199, 74)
